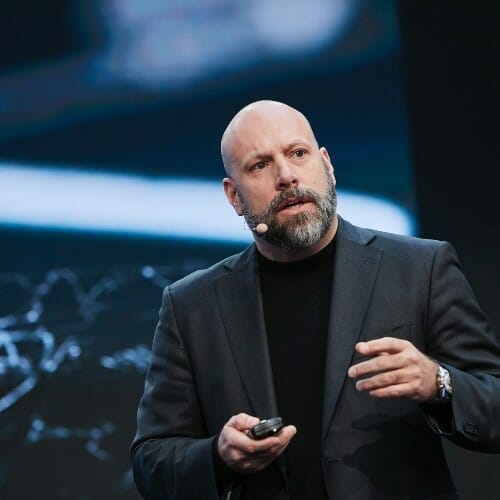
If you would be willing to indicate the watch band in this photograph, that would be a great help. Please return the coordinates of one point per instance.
(444, 386)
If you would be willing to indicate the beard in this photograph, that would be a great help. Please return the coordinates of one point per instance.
(301, 230)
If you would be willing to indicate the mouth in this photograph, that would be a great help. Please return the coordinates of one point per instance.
(293, 203)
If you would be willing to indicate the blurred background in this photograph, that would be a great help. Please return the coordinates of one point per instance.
(111, 112)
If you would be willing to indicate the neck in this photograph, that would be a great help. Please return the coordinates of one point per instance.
(274, 252)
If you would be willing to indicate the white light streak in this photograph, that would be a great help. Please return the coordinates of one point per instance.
(64, 199)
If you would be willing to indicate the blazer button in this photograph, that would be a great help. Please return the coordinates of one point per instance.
(470, 428)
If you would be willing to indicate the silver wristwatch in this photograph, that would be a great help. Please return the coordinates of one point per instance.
(443, 381)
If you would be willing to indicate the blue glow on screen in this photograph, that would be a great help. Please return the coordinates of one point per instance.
(207, 36)
(82, 200)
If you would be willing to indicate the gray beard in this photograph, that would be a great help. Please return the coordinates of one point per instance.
(298, 231)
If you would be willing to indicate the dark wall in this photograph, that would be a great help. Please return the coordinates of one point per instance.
(450, 55)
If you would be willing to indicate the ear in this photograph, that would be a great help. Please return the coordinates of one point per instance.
(328, 163)
(232, 194)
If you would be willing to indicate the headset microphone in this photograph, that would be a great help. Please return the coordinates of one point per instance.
(261, 228)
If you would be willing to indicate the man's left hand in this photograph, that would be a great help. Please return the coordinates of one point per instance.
(397, 369)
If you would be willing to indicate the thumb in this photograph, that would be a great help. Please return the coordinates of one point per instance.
(242, 421)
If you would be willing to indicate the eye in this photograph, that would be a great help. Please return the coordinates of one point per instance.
(258, 166)
(299, 153)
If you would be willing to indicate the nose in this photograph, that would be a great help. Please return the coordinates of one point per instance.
(285, 176)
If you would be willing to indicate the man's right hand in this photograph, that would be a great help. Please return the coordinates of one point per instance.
(246, 455)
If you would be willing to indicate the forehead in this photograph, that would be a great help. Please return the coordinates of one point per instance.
(260, 133)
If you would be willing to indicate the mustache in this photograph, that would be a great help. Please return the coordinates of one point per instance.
(299, 193)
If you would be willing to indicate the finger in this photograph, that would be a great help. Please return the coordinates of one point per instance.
(240, 441)
(269, 446)
(242, 421)
(408, 390)
(254, 455)
(286, 434)
(258, 447)
(378, 346)
(283, 440)
(253, 463)
(386, 379)
(271, 443)
(377, 364)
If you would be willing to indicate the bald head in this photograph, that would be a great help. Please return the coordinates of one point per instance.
(253, 123)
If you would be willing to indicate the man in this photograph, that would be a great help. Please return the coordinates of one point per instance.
(369, 345)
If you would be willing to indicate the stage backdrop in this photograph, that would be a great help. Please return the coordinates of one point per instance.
(111, 113)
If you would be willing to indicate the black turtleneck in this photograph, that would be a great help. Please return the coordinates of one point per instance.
(296, 297)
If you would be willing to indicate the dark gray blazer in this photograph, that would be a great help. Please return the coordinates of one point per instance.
(210, 360)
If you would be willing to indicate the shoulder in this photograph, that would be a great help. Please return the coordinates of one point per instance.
(395, 244)
(202, 279)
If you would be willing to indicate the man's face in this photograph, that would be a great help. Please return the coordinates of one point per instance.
(297, 230)
(281, 178)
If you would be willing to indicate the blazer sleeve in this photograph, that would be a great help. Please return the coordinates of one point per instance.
(460, 337)
(172, 455)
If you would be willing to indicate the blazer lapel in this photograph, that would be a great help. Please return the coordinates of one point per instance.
(240, 301)
(355, 272)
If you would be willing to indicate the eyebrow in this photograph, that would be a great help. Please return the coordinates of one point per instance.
(298, 142)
